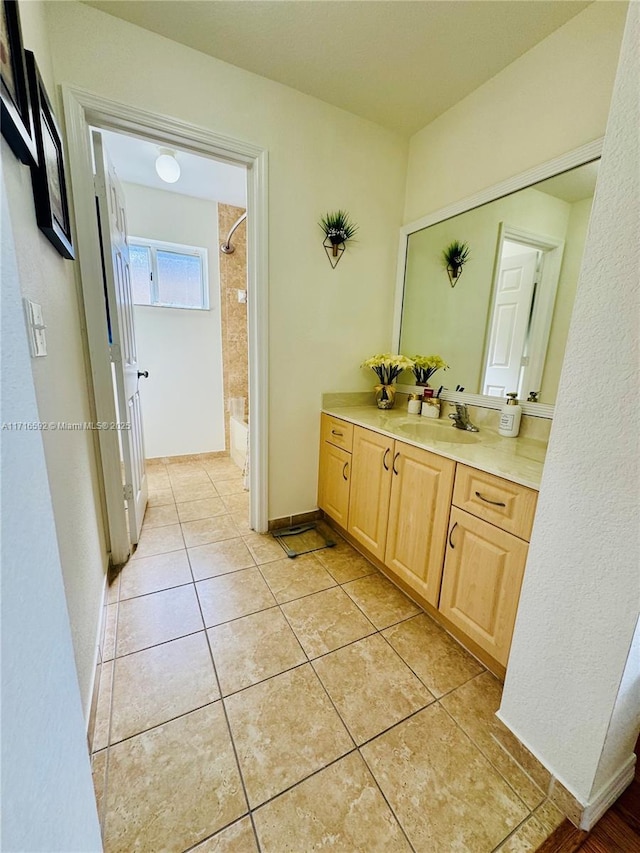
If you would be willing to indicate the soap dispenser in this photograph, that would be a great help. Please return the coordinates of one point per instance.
(510, 416)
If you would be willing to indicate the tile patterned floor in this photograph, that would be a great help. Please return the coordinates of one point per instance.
(249, 702)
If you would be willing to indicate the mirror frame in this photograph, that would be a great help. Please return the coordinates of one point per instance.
(572, 159)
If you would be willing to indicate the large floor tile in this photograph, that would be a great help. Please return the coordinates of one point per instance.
(222, 469)
(237, 838)
(186, 492)
(199, 509)
(289, 579)
(99, 776)
(159, 540)
(160, 516)
(344, 563)
(161, 497)
(473, 706)
(526, 839)
(233, 595)
(241, 521)
(380, 600)
(371, 686)
(219, 558)
(432, 654)
(103, 708)
(209, 530)
(263, 547)
(326, 620)
(109, 640)
(156, 618)
(152, 574)
(234, 486)
(173, 786)
(155, 685)
(236, 502)
(284, 729)
(339, 808)
(253, 648)
(440, 786)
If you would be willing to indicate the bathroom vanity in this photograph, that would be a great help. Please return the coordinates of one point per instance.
(446, 514)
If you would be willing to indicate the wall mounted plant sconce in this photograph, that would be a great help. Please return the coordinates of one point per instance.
(455, 256)
(338, 229)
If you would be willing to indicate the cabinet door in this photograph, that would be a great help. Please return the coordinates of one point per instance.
(370, 488)
(334, 481)
(418, 514)
(483, 573)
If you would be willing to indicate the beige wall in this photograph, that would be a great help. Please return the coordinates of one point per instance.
(551, 100)
(62, 395)
(233, 277)
(320, 158)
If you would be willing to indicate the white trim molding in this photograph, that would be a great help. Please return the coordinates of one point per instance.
(609, 793)
(578, 157)
(82, 110)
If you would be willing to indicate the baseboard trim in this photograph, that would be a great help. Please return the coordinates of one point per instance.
(609, 793)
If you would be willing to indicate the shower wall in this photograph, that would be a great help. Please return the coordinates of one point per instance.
(233, 277)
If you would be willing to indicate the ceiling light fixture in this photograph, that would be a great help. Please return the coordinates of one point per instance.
(167, 166)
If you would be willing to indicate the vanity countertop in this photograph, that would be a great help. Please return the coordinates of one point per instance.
(517, 459)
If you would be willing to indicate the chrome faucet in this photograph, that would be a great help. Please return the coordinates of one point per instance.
(461, 418)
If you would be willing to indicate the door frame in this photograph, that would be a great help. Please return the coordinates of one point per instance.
(83, 110)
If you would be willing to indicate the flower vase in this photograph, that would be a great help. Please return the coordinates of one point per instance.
(385, 396)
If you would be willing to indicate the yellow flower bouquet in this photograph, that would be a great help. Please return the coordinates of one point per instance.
(424, 366)
(387, 368)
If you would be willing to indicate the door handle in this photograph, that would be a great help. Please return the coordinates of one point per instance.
(395, 459)
(344, 471)
(384, 459)
(451, 545)
(143, 374)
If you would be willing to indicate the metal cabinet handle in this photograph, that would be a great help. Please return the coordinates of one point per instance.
(384, 459)
(486, 500)
(336, 432)
(451, 545)
(395, 459)
(344, 471)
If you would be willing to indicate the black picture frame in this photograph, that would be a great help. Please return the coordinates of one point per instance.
(48, 175)
(16, 114)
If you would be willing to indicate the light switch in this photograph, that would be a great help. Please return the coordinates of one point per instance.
(35, 328)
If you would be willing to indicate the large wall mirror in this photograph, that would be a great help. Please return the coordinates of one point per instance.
(503, 326)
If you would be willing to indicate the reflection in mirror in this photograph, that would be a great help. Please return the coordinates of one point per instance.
(504, 325)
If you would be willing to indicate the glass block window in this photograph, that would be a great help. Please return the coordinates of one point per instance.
(168, 275)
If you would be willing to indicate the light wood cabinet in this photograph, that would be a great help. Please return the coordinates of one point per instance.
(481, 582)
(334, 475)
(370, 489)
(453, 536)
(418, 514)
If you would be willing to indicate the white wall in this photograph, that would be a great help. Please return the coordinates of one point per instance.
(320, 158)
(182, 400)
(47, 795)
(551, 100)
(579, 603)
(61, 390)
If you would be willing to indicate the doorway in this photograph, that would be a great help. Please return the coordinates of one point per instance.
(82, 111)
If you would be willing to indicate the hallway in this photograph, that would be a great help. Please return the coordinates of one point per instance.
(304, 703)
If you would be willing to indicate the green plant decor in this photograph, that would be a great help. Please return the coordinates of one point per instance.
(455, 256)
(338, 228)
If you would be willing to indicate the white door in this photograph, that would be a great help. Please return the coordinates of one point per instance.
(115, 252)
(509, 323)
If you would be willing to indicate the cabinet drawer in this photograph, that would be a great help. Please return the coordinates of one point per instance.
(509, 506)
(337, 432)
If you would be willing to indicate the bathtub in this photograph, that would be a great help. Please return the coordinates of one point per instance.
(238, 441)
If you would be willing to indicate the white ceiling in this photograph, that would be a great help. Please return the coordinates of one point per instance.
(574, 185)
(134, 160)
(399, 63)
